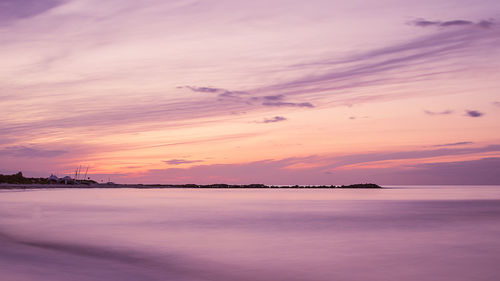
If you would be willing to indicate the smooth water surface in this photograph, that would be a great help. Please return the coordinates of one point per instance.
(410, 233)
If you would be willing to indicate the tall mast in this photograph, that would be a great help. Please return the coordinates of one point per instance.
(79, 172)
(86, 173)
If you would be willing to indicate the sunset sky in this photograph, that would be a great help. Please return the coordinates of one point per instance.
(263, 91)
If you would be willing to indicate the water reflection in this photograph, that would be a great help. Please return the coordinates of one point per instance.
(433, 233)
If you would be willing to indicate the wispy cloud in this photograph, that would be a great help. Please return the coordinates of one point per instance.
(473, 113)
(479, 171)
(181, 161)
(485, 23)
(449, 23)
(204, 89)
(371, 68)
(288, 104)
(454, 144)
(455, 22)
(223, 93)
(425, 23)
(356, 117)
(274, 97)
(110, 71)
(274, 119)
(12, 10)
(360, 70)
(433, 113)
(331, 75)
(31, 152)
(402, 155)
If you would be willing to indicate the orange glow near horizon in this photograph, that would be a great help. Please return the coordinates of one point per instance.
(250, 94)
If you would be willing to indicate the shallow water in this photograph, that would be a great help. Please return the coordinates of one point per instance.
(397, 233)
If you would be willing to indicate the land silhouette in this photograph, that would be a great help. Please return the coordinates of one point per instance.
(18, 181)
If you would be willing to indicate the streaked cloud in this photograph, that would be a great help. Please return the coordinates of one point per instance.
(370, 68)
(12, 10)
(222, 93)
(274, 97)
(474, 113)
(327, 169)
(288, 104)
(485, 23)
(432, 113)
(459, 22)
(31, 152)
(414, 154)
(274, 119)
(100, 79)
(358, 117)
(181, 161)
(454, 144)
(479, 171)
(482, 171)
(205, 89)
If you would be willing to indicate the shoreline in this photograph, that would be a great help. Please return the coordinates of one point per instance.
(9, 186)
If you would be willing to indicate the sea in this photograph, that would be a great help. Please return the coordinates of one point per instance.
(403, 233)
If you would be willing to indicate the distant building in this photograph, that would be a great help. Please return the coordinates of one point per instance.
(53, 179)
(67, 180)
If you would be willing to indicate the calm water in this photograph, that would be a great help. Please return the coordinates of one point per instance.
(410, 233)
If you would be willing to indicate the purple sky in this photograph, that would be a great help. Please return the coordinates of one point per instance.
(278, 92)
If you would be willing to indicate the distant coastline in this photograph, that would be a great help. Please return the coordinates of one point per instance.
(18, 181)
(6, 186)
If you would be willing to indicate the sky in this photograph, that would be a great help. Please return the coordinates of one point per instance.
(264, 91)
